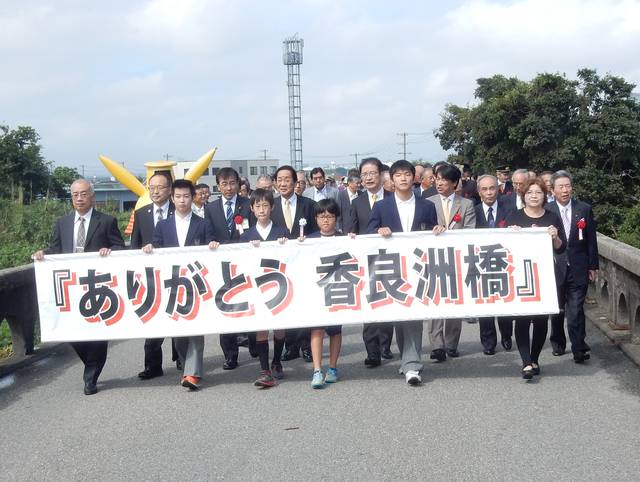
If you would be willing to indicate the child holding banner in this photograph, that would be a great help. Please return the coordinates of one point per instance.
(261, 205)
(326, 213)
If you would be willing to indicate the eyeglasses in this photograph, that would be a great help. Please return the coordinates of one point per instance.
(325, 217)
(80, 195)
(158, 188)
(366, 175)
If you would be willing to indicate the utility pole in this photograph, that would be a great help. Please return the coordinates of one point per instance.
(82, 166)
(264, 154)
(355, 155)
(404, 142)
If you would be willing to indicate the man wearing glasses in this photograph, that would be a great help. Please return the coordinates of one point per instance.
(144, 223)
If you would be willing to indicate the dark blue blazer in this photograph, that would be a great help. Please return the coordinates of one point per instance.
(385, 215)
(144, 225)
(276, 233)
(502, 212)
(580, 255)
(304, 209)
(361, 212)
(214, 213)
(165, 235)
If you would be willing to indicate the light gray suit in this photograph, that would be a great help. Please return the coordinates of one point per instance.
(445, 335)
(330, 192)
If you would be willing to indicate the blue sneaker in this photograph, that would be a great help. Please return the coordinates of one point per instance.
(331, 376)
(317, 381)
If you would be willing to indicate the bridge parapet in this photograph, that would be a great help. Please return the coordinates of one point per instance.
(617, 289)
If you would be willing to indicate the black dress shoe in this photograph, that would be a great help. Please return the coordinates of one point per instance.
(90, 389)
(306, 354)
(229, 365)
(489, 352)
(372, 362)
(506, 344)
(579, 357)
(290, 354)
(453, 353)
(557, 350)
(387, 355)
(178, 365)
(149, 373)
(254, 353)
(439, 355)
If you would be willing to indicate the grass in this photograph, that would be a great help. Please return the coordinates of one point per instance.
(6, 349)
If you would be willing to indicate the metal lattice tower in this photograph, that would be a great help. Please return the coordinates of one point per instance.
(292, 58)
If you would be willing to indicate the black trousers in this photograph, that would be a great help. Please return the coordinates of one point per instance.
(94, 355)
(296, 338)
(530, 348)
(229, 345)
(488, 334)
(377, 338)
(571, 296)
(153, 353)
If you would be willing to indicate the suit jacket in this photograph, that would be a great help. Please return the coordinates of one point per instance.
(459, 205)
(506, 190)
(385, 214)
(144, 225)
(166, 236)
(344, 221)
(252, 234)
(331, 192)
(361, 212)
(102, 232)
(304, 209)
(214, 214)
(501, 214)
(580, 255)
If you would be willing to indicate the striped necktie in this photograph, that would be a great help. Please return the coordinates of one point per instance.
(229, 216)
(82, 236)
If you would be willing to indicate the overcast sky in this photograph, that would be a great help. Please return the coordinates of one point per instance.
(138, 80)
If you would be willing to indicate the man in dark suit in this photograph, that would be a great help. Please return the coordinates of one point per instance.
(403, 212)
(144, 223)
(514, 198)
(426, 188)
(221, 215)
(345, 198)
(288, 210)
(492, 213)
(377, 337)
(184, 228)
(578, 265)
(86, 230)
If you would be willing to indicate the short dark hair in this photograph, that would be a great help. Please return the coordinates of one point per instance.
(559, 174)
(259, 195)
(384, 168)
(226, 173)
(183, 184)
(164, 174)
(371, 160)
(202, 186)
(449, 172)
(328, 205)
(317, 170)
(294, 174)
(402, 165)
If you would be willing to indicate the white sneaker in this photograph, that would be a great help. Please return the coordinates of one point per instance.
(413, 377)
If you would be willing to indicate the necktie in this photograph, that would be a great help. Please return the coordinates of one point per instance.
(82, 236)
(374, 198)
(229, 216)
(566, 221)
(287, 214)
(445, 210)
(159, 216)
(490, 219)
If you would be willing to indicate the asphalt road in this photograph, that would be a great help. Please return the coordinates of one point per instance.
(474, 418)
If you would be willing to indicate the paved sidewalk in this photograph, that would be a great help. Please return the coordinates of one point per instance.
(473, 419)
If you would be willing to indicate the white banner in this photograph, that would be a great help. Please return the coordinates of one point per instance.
(329, 281)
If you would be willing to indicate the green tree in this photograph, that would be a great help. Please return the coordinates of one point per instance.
(62, 178)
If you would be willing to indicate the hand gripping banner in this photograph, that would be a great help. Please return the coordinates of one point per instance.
(318, 282)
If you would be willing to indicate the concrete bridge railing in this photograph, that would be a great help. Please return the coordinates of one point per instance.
(617, 289)
(616, 292)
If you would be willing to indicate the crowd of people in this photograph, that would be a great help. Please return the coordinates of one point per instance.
(373, 199)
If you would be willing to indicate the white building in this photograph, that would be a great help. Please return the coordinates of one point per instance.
(249, 168)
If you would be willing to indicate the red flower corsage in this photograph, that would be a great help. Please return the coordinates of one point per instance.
(502, 223)
(455, 219)
(237, 219)
(581, 224)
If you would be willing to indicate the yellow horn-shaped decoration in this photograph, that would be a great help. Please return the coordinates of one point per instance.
(194, 173)
(127, 179)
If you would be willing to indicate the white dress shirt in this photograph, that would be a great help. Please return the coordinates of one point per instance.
(407, 211)
(565, 217)
(379, 194)
(76, 226)
(200, 211)
(485, 208)
(319, 194)
(165, 212)
(224, 204)
(352, 195)
(293, 201)
(182, 227)
(264, 232)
